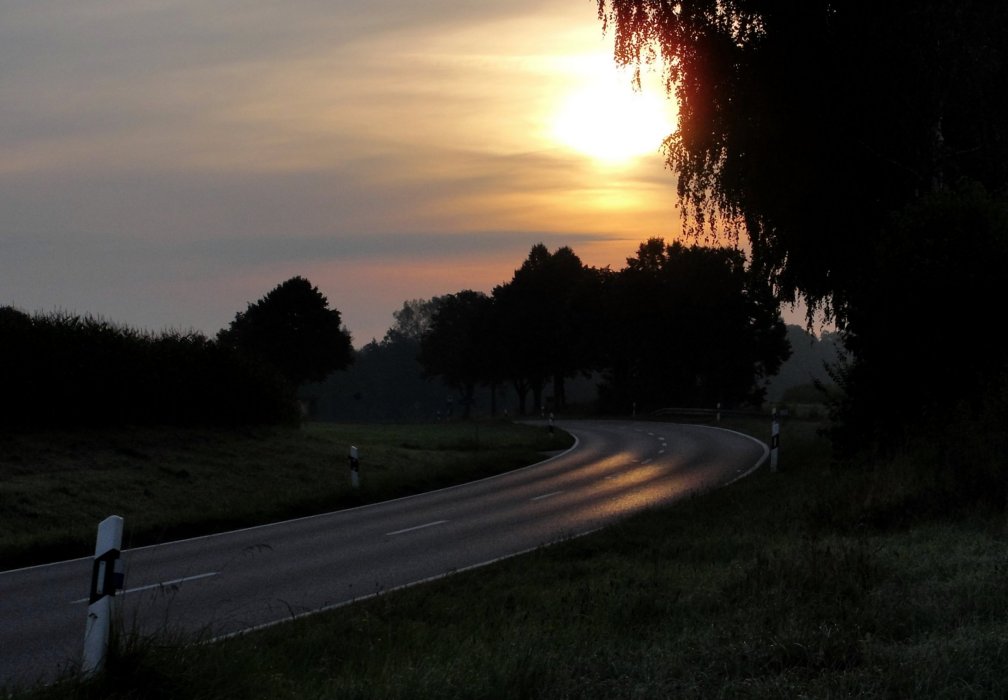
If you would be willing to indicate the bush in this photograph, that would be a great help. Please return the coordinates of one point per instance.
(63, 370)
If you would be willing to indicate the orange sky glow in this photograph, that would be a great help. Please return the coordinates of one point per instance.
(162, 164)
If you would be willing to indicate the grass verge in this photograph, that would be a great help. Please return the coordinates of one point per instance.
(166, 484)
(745, 592)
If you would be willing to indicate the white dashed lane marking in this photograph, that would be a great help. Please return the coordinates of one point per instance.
(416, 527)
(546, 495)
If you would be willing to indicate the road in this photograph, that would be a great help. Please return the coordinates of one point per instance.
(230, 582)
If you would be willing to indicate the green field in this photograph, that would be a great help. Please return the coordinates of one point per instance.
(812, 582)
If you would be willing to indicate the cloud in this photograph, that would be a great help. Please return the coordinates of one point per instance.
(165, 162)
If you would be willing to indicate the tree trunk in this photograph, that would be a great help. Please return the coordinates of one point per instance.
(521, 388)
(537, 392)
(467, 400)
(559, 391)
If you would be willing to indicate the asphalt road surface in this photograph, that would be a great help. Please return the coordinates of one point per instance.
(230, 582)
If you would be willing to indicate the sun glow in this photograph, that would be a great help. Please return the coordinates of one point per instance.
(606, 119)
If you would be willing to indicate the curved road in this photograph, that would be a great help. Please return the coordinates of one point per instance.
(230, 582)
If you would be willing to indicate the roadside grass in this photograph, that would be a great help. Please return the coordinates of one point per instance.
(56, 487)
(747, 591)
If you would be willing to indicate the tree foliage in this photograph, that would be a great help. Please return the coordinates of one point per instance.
(456, 345)
(920, 322)
(412, 321)
(807, 124)
(68, 371)
(547, 321)
(836, 137)
(678, 325)
(385, 383)
(293, 329)
(690, 326)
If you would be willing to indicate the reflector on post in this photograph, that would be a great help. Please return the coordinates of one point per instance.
(106, 579)
(354, 468)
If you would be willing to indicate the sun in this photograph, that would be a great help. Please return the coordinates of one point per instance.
(606, 119)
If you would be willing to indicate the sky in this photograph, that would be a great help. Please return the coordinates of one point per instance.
(163, 163)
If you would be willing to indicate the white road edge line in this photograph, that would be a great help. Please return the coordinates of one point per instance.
(437, 577)
(401, 587)
(417, 527)
(546, 495)
(160, 584)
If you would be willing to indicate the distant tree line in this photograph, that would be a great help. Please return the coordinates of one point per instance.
(386, 382)
(677, 326)
(64, 370)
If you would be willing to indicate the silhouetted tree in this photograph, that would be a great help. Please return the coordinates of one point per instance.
(412, 320)
(920, 319)
(689, 326)
(293, 329)
(547, 322)
(455, 345)
(387, 382)
(819, 130)
(808, 124)
(63, 370)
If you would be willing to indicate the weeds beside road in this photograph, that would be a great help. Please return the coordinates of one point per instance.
(169, 483)
(810, 582)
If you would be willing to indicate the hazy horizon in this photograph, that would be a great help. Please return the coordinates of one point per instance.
(165, 163)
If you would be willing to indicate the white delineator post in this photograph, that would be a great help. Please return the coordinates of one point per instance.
(106, 577)
(354, 468)
(774, 441)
